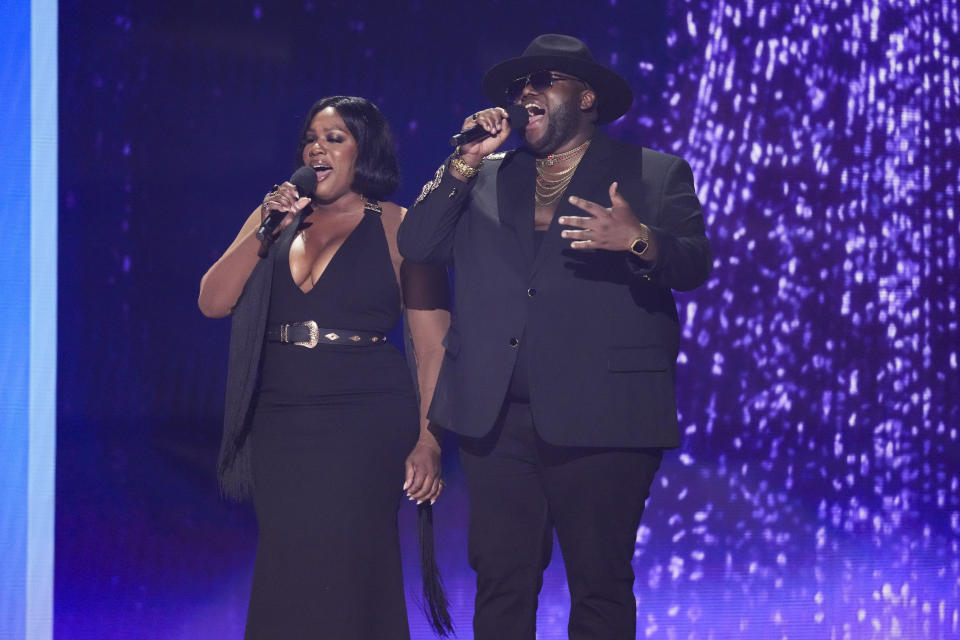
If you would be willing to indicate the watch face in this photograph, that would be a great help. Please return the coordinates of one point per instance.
(638, 246)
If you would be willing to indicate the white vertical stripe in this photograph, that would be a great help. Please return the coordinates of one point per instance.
(43, 319)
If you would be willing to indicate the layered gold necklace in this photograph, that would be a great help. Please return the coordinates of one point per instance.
(552, 184)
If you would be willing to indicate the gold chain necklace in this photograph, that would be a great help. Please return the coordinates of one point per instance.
(554, 158)
(551, 185)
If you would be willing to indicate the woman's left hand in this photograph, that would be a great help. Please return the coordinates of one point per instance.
(423, 481)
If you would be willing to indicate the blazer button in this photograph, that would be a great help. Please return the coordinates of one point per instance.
(531, 292)
(514, 342)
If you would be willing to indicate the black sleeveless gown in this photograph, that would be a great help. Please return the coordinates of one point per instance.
(332, 427)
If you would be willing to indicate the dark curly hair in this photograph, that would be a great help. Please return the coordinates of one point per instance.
(376, 173)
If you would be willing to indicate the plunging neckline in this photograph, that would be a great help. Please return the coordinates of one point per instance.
(329, 263)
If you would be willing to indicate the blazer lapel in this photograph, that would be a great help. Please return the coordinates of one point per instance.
(515, 199)
(590, 181)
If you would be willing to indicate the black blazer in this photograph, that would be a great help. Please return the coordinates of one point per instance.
(601, 327)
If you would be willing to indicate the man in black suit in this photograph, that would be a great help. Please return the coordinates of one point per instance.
(559, 365)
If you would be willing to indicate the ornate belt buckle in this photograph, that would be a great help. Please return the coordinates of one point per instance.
(314, 334)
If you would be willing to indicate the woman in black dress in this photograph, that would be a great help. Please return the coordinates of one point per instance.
(321, 417)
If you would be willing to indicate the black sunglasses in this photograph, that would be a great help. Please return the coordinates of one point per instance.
(539, 80)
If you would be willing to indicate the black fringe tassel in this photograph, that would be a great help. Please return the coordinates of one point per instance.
(435, 605)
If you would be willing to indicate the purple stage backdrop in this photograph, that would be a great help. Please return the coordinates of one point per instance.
(817, 492)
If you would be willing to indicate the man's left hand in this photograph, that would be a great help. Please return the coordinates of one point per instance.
(612, 228)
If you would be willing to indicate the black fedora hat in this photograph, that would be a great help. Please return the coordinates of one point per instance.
(555, 52)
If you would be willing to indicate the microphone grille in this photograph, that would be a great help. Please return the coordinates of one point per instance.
(518, 116)
(305, 180)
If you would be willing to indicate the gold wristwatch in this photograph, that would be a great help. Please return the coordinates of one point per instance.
(640, 244)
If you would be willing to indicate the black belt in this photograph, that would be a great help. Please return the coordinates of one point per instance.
(308, 334)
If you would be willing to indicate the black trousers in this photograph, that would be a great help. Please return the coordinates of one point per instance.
(521, 490)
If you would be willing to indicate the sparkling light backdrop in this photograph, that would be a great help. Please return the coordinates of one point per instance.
(816, 493)
(819, 493)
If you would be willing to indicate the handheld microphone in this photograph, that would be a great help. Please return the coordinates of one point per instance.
(305, 180)
(516, 114)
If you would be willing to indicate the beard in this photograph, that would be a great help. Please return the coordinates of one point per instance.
(562, 125)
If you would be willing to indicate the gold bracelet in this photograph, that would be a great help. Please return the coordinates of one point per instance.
(463, 168)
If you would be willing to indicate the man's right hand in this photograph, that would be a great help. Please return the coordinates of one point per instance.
(495, 121)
